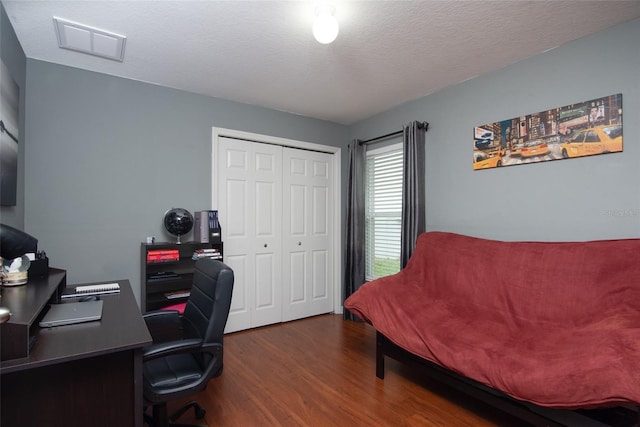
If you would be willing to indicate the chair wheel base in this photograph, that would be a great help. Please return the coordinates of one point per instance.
(197, 409)
(200, 412)
(160, 419)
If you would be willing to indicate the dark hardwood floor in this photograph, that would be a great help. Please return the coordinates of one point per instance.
(321, 372)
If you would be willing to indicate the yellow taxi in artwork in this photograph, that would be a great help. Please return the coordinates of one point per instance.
(483, 160)
(516, 149)
(596, 140)
(536, 147)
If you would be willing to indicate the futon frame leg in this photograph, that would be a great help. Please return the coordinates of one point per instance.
(379, 355)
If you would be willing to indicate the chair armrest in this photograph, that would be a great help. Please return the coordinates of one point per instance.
(155, 351)
(163, 325)
(161, 316)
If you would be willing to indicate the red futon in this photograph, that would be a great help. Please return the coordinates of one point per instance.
(556, 324)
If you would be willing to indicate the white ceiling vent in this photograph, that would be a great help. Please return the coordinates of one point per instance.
(85, 39)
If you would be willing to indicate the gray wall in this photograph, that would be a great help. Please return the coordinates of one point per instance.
(106, 157)
(15, 60)
(575, 199)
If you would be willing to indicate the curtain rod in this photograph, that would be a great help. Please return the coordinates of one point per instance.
(425, 125)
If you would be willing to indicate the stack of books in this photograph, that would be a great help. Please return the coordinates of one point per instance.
(206, 253)
(177, 294)
(163, 255)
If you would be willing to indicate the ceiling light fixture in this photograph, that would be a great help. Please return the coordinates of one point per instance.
(325, 27)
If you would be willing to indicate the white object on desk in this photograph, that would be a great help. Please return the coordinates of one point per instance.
(87, 290)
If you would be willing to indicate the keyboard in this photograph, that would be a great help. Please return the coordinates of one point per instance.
(90, 290)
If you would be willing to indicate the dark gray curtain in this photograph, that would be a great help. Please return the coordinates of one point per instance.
(413, 188)
(355, 223)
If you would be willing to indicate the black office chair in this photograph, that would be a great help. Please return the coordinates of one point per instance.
(173, 369)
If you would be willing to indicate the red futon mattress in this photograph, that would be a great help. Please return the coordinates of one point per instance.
(556, 324)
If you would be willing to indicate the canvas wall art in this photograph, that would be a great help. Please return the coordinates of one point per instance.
(9, 101)
(586, 128)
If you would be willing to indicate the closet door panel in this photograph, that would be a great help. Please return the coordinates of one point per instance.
(320, 275)
(235, 188)
(297, 278)
(250, 185)
(297, 210)
(236, 192)
(307, 243)
(240, 309)
(267, 241)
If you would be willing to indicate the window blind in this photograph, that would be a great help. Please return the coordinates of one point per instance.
(383, 206)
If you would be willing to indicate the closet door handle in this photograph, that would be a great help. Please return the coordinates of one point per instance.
(299, 243)
(265, 245)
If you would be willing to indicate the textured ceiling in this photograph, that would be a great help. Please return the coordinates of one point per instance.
(263, 52)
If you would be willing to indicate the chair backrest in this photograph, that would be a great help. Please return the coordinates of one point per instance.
(205, 315)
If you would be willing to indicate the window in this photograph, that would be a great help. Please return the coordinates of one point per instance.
(592, 136)
(383, 207)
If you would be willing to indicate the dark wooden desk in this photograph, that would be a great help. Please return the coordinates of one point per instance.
(27, 303)
(88, 374)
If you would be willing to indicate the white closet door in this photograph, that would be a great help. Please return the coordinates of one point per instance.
(250, 203)
(307, 218)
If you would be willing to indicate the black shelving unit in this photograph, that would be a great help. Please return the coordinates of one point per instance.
(162, 278)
